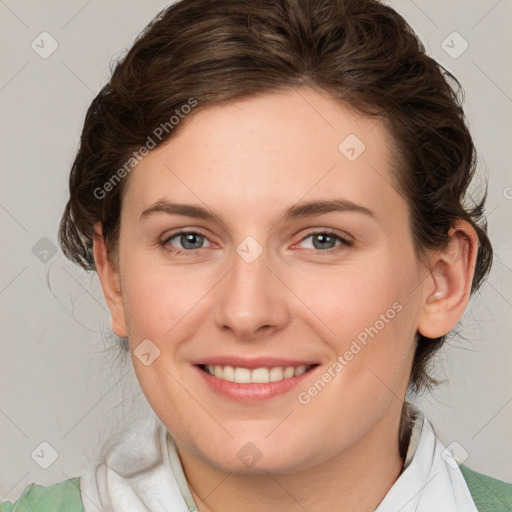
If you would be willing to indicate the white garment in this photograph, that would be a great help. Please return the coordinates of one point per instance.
(142, 472)
(431, 480)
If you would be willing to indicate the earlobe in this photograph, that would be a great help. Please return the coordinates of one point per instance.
(448, 287)
(110, 282)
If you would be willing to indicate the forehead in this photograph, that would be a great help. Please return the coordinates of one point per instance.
(271, 149)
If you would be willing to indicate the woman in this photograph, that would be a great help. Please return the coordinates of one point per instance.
(272, 194)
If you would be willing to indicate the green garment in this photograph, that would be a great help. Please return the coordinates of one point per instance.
(489, 495)
(61, 497)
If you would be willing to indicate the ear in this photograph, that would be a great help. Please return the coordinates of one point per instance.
(110, 282)
(448, 286)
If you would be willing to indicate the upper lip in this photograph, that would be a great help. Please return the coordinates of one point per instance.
(253, 362)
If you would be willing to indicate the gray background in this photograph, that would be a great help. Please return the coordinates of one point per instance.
(61, 381)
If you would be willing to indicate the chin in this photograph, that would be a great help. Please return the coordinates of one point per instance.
(258, 457)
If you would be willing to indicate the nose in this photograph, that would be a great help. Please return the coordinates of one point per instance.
(254, 301)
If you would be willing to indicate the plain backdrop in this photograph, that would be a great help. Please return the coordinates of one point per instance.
(63, 388)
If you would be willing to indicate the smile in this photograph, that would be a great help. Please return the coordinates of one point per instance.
(261, 375)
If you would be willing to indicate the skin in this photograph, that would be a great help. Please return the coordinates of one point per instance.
(248, 161)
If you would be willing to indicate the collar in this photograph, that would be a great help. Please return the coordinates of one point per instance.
(430, 478)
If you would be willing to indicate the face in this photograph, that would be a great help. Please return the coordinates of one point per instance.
(266, 244)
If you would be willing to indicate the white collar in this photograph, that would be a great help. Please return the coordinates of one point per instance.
(142, 472)
(431, 478)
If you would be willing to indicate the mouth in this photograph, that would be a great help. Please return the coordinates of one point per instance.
(262, 375)
(262, 381)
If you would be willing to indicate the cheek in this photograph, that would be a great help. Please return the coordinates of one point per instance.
(351, 298)
(157, 299)
(368, 315)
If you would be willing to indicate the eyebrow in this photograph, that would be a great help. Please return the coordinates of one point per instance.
(299, 210)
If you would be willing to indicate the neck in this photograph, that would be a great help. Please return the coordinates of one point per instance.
(364, 475)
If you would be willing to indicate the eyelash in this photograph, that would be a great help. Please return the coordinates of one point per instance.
(343, 245)
(344, 242)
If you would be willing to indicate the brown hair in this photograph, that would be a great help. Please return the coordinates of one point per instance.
(361, 52)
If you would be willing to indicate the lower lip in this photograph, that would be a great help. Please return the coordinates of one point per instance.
(252, 392)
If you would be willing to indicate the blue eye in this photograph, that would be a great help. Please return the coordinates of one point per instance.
(325, 241)
(189, 240)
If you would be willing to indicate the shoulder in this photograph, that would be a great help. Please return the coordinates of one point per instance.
(489, 494)
(61, 497)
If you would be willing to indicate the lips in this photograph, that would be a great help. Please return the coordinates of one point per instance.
(255, 379)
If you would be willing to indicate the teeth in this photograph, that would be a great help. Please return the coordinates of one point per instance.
(289, 372)
(257, 375)
(228, 373)
(277, 373)
(242, 375)
(300, 370)
(260, 375)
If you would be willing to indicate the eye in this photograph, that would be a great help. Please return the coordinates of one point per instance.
(325, 241)
(189, 241)
(185, 241)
